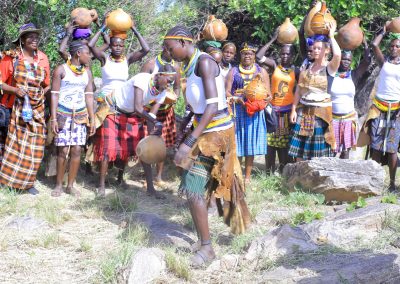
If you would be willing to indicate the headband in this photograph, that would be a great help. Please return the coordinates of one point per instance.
(215, 51)
(313, 39)
(179, 38)
(246, 47)
(166, 73)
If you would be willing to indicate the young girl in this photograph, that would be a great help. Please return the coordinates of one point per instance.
(71, 108)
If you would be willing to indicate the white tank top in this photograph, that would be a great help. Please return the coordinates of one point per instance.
(72, 90)
(195, 92)
(224, 72)
(389, 82)
(114, 74)
(342, 93)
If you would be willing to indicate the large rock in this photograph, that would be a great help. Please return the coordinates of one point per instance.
(165, 232)
(344, 228)
(340, 268)
(337, 179)
(280, 241)
(147, 264)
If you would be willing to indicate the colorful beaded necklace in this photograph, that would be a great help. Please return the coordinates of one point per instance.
(343, 75)
(187, 70)
(122, 58)
(161, 62)
(285, 70)
(152, 88)
(250, 71)
(79, 70)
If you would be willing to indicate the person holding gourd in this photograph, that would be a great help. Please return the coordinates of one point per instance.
(166, 112)
(283, 82)
(115, 72)
(383, 120)
(312, 106)
(251, 130)
(342, 88)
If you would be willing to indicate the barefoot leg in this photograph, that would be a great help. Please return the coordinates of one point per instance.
(73, 168)
(61, 163)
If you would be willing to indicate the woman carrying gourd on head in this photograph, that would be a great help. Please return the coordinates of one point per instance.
(283, 82)
(383, 120)
(250, 125)
(312, 106)
(115, 72)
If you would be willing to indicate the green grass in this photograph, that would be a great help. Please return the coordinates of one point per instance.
(177, 264)
(50, 209)
(303, 199)
(241, 242)
(306, 217)
(390, 198)
(48, 240)
(120, 202)
(134, 237)
(8, 202)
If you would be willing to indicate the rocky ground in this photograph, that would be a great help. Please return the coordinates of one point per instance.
(131, 237)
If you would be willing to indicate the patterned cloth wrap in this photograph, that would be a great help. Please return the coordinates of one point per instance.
(251, 131)
(345, 129)
(381, 128)
(215, 168)
(281, 137)
(25, 142)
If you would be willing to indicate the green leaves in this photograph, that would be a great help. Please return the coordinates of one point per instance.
(360, 203)
(307, 217)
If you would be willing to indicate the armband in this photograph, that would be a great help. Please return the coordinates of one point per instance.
(190, 141)
(212, 100)
(89, 93)
(55, 92)
(262, 60)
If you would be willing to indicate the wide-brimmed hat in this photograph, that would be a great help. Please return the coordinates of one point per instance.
(27, 28)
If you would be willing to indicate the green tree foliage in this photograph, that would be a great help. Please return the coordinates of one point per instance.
(152, 17)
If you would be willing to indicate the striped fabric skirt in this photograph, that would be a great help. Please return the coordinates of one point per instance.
(281, 137)
(378, 132)
(345, 128)
(167, 117)
(311, 146)
(251, 132)
(118, 137)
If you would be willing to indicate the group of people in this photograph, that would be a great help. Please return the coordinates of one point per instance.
(313, 105)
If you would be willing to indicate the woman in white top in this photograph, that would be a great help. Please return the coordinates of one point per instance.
(122, 122)
(342, 88)
(166, 112)
(115, 72)
(383, 119)
(71, 108)
(210, 148)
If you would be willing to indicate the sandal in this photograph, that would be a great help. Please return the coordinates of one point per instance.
(199, 259)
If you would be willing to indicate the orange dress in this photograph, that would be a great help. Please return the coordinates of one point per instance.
(283, 82)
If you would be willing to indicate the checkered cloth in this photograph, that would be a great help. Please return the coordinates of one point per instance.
(118, 137)
(25, 142)
(307, 147)
(167, 117)
(377, 132)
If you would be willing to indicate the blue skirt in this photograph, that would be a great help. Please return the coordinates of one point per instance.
(251, 132)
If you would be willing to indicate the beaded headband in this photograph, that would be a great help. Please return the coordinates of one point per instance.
(246, 47)
(179, 38)
(215, 51)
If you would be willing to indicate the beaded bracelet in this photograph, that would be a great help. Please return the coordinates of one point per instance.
(190, 141)
(103, 29)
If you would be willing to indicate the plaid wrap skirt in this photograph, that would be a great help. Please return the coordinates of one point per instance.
(118, 137)
(167, 118)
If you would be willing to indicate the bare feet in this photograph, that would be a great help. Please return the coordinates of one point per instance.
(73, 192)
(203, 256)
(57, 191)
(160, 183)
(101, 192)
